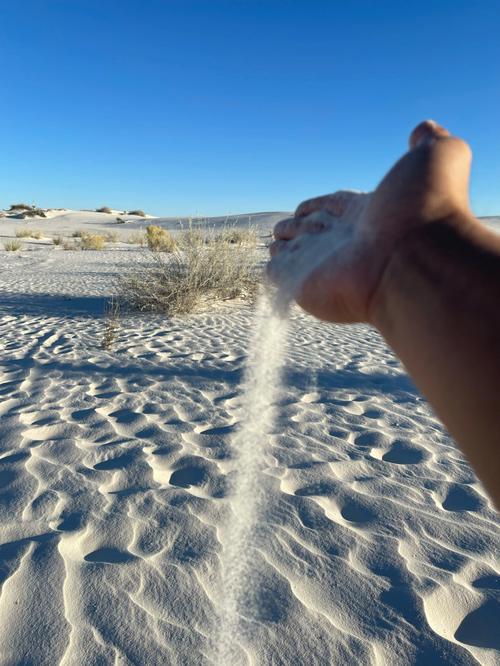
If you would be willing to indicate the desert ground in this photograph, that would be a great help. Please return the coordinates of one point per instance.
(378, 545)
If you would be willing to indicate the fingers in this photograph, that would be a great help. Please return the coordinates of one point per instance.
(449, 161)
(336, 204)
(427, 132)
(277, 246)
(303, 222)
(293, 227)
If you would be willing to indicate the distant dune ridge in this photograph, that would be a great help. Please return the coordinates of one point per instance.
(377, 545)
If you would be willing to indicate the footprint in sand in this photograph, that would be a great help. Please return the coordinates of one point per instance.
(403, 453)
(462, 498)
(355, 512)
(480, 627)
(109, 556)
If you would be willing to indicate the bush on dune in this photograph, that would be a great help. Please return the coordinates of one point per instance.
(20, 206)
(23, 211)
(34, 212)
(103, 209)
(185, 280)
(139, 213)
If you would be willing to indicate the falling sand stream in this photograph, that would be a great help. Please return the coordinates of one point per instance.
(261, 387)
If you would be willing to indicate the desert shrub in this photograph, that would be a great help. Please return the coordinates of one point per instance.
(29, 233)
(57, 240)
(159, 240)
(192, 238)
(92, 242)
(139, 213)
(111, 324)
(23, 233)
(136, 238)
(120, 220)
(78, 233)
(20, 206)
(103, 209)
(186, 280)
(70, 245)
(238, 236)
(33, 212)
(111, 236)
(13, 245)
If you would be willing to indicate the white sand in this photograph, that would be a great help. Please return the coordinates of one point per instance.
(378, 545)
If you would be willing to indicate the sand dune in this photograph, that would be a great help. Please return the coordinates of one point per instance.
(378, 544)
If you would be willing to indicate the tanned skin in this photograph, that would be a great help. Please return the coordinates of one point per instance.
(426, 273)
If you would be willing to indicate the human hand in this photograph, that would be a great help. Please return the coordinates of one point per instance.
(335, 249)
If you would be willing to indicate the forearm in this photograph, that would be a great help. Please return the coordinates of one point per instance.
(438, 306)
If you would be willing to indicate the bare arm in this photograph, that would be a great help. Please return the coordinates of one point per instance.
(438, 306)
(427, 274)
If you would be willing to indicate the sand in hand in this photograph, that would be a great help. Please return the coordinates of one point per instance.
(376, 545)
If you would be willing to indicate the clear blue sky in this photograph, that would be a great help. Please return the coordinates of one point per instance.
(216, 106)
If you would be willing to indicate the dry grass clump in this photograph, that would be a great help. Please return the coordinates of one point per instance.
(92, 242)
(136, 238)
(159, 240)
(238, 236)
(103, 209)
(70, 245)
(119, 220)
(57, 240)
(12, 246)
(29, 233)
(111, 236)
(78, 233)
(185, 280)
(23, 233)
(139, 213)
(192, 237)
(112, 325)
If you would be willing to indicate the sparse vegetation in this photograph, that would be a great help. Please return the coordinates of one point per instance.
(33, 212)
(57, 240)
(159, 240)
(103, 209)
(92, 242)
(112, 321)
(78, 233)
(238, 236)
(23, 233)
(192, 237)
(12, 246)
(186, 280)
(137, 238)
(139, 213)
(29, 233)
(70, 245)
(120, 220)
(20, 206)
(111, 236)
